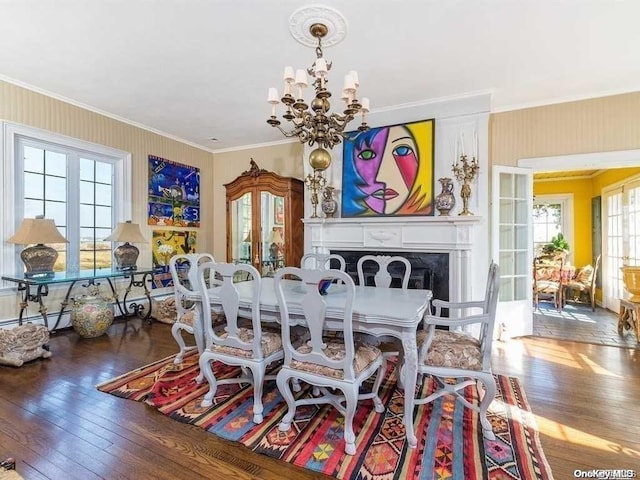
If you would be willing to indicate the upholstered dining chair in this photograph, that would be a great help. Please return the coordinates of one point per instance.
(382, 279)
(322, 261)
(249, 347)
(184, 273)
(547, 280)
(322, 361)
(583, 282)
(459, 355)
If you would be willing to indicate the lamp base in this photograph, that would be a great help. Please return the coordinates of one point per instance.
(127, 268)
(125, 257)
(36, 275)
(39, 261)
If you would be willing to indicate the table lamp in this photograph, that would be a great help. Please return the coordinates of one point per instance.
(38, 259)
(126, 255)
(277, 242)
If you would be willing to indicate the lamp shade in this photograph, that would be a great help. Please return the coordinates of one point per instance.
(38, 259)
(127, 232)
(276, 236)
(37, 230)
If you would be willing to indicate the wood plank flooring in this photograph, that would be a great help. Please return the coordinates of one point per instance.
(58, 426)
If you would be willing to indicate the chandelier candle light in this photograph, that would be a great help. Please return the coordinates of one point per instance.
(314, 123)
(465, 172)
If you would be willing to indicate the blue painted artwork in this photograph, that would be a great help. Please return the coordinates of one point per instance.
(174, 193)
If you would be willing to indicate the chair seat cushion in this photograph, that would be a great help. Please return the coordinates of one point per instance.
(452, 349)
(545, 286)
(578, 286)
(270, 343)
(187, 318)
(364, 356)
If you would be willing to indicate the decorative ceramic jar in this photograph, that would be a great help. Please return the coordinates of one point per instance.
(91, 314)
(329, 204)
(445, 200)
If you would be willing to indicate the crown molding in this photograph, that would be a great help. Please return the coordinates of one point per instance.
(75, 103)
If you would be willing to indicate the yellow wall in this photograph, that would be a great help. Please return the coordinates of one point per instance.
(581, 190)
(612, 176)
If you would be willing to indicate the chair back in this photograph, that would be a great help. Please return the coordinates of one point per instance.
(226, 296)
(596, 266)
(382, 277)
(490, 308)
(184, 273)
(307, 300)
(322, 261)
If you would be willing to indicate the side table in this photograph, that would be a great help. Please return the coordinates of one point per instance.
(628, 317)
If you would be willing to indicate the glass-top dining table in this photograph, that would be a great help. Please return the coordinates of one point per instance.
(381, 312)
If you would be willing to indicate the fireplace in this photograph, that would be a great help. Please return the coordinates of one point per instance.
(441, 248)
(428, 270)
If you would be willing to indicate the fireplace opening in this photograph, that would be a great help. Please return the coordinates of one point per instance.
(428, 270)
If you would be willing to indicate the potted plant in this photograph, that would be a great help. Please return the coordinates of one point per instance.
(557, 245)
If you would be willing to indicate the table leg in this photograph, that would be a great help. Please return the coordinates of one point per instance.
(410, 347)
(63, 305)
(136, 307)
(622, 317)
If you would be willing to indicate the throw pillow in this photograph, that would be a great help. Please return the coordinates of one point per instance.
(585, 275)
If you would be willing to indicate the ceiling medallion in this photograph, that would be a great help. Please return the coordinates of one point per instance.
(302, 19)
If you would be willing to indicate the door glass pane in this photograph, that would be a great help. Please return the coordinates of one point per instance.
(513, 236)
(506, 185)
(241, 236)
(634, 225)
(273, 228)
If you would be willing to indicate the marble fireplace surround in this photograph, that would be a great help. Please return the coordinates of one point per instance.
(439, 234)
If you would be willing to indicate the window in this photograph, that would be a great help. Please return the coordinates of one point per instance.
(552, 215)
(83, 187)
(547, 223)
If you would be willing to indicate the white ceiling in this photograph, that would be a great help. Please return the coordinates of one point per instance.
(196, 69)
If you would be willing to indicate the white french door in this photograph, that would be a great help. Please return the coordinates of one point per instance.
(512, 247)
(621, 218)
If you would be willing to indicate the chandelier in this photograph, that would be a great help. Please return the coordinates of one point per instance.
(314, 123)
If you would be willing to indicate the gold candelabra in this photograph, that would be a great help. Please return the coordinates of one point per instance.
(465, 172)
(315, 182)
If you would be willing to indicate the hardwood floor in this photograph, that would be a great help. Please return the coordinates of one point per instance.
(58, 426)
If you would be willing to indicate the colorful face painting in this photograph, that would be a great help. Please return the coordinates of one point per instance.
(389, 171)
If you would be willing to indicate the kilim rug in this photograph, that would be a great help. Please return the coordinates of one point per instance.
(450, 441)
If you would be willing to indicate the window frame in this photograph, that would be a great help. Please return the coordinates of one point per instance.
(11, 213)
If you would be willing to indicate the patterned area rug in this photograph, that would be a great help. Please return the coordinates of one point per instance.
(450, 441)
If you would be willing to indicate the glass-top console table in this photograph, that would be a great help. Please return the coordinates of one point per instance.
(35, 289)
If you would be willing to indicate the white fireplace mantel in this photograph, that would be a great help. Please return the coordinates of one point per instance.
(443, 234)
